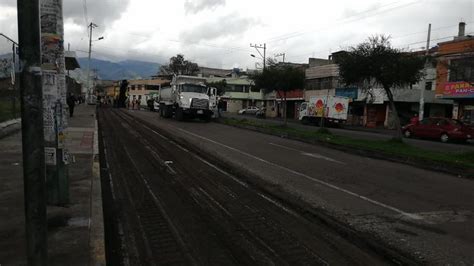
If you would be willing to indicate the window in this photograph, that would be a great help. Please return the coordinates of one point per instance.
(428, 85)
(461, 69)
(193, 88)
(426, 121)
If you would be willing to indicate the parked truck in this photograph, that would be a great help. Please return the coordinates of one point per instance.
(188, 96)
(332, 109)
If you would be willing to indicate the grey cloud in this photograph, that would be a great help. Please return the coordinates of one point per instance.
(102, 12)
(196, 6)
(230, 25)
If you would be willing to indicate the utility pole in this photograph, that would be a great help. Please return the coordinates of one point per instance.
(264, 47)
(281, 54)
(32, 132)
(91, 26)
(53, 67)
(421, 111)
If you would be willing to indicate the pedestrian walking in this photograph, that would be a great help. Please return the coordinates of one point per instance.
(71, 102)
(137, 103)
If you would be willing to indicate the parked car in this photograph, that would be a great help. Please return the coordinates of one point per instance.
(444, 129)
(249, 110)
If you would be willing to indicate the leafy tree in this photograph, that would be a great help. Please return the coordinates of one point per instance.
(376, 61)
(219, 85)
(280, 77)
(179, 66)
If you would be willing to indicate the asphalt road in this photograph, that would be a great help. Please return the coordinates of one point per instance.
(367, 134)
(424, 213)
(175, 207)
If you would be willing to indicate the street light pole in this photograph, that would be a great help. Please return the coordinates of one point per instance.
(421, 111)
(281, 54)
(91, 26)
(264, 47)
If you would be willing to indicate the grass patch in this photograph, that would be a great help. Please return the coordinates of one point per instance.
(391, 147)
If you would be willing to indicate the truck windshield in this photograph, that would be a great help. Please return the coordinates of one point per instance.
(193, 88)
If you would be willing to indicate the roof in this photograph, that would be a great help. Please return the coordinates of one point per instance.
(71, 61)
(148, 81)
(217, 72)
(232, 81)
(324, 71)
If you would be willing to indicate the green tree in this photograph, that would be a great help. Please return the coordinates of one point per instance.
(219, 85)
(376, 61)
(179, 66)
(280, 77)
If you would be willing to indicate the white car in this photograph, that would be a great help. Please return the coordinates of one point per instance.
(249, 110)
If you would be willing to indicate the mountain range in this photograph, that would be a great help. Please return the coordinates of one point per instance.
(108, 70)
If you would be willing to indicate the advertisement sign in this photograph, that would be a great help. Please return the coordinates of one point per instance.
(458, 89)
(50, 155)
(350, 92)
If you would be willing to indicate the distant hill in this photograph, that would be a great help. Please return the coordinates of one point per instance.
(108, 70)
(128, 69)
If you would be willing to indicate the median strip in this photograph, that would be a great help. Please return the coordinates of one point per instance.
(460, 164)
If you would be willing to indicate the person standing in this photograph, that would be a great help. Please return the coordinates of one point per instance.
(414, 120)
(71, 102)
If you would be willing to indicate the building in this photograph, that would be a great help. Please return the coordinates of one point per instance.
(215, 72)
(369, 107)
(239, 93)
(143, 89)
(455, 74)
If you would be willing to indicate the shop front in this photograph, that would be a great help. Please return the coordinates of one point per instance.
(462, 93)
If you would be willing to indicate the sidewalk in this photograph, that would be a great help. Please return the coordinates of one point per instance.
(75, 232)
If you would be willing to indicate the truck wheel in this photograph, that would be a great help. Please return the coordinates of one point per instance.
(179, 115)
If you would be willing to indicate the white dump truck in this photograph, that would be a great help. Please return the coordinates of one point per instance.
(188, 96)
(333, 109)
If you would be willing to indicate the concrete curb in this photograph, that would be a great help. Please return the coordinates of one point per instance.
(10, 127)
(96, 228)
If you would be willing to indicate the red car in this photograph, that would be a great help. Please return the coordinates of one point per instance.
(444, 129)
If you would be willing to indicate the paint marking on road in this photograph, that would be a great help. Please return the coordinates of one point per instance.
(380, 204)
(314, 155)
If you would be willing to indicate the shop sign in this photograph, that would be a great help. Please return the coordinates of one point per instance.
(458, 89)
(350, 92)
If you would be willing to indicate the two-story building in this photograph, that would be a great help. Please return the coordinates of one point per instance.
(239, 93)
(144, 89)
(455, 79)
(370, 106)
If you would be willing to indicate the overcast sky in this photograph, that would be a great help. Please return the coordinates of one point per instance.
(218, 33)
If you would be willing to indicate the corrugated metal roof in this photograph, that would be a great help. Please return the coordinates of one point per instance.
(331, 70)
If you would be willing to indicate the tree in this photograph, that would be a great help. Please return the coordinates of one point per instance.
(219, 85)
(280, 77)
(179, 66)
(376, 61)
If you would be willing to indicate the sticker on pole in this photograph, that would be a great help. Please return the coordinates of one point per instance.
(50, 155)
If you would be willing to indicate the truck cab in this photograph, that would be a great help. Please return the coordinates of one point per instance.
(188, 96)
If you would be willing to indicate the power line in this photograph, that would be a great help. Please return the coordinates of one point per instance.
(424, 32)
(343, 21)
(296, 32)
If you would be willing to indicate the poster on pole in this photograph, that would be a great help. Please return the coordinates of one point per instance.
(50, 155)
